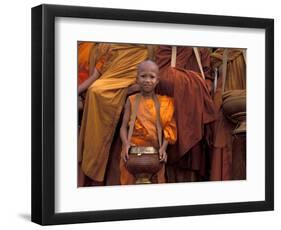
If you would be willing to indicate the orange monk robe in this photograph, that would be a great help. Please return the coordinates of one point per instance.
(104, 102)
(226, 149)
(84, 50)
(145, 132)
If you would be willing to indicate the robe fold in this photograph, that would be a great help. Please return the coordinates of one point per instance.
(185, 59)
(84, 50)
(105, 99)
(228, 152)
(193, 109)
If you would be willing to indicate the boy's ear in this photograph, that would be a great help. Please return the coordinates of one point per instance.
(158, 79)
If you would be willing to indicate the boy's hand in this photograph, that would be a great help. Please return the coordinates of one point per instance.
(162, 155)
(125, 151)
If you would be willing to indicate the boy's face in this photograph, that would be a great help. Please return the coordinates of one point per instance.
(148, 77)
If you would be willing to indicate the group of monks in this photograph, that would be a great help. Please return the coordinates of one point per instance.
(205, 149)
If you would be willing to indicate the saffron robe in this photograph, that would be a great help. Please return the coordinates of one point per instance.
(145, 132)
(105, 99)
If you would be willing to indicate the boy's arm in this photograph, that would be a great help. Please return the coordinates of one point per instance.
(162, 151)
(124, 131)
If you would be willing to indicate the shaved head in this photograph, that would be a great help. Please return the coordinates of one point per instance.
(148, 64)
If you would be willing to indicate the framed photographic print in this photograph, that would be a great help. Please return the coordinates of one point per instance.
(144, 114)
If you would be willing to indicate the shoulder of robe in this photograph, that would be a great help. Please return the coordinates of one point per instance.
(166, 102)
(132, 98)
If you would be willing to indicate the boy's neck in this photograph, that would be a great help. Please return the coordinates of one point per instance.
(147, 94)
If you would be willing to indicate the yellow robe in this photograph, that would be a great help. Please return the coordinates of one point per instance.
(145, 132)
(236, 71)
(104, 102)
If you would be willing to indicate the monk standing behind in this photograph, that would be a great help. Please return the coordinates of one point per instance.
(115, 70)
(194, 109)
(145, 128)
(228, 158)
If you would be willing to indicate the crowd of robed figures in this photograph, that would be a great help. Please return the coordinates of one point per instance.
(205, 149)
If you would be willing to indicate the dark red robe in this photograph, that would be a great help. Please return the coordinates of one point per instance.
(194, 109)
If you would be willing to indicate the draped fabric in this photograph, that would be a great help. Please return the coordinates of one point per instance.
(228, 153)
(105, 99)
(185, 59)
(145, 132)
(236, 68)
(236, 71)
(221, 153)
(84, 50)
(193, 109)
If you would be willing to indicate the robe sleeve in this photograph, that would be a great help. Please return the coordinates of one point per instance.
(168, 120)
(101, 56)
(102, 63)
(170, 131)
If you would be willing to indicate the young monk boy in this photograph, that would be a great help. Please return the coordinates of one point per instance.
(149, 109)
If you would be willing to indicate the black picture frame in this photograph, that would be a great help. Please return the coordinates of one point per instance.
(43, 114)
